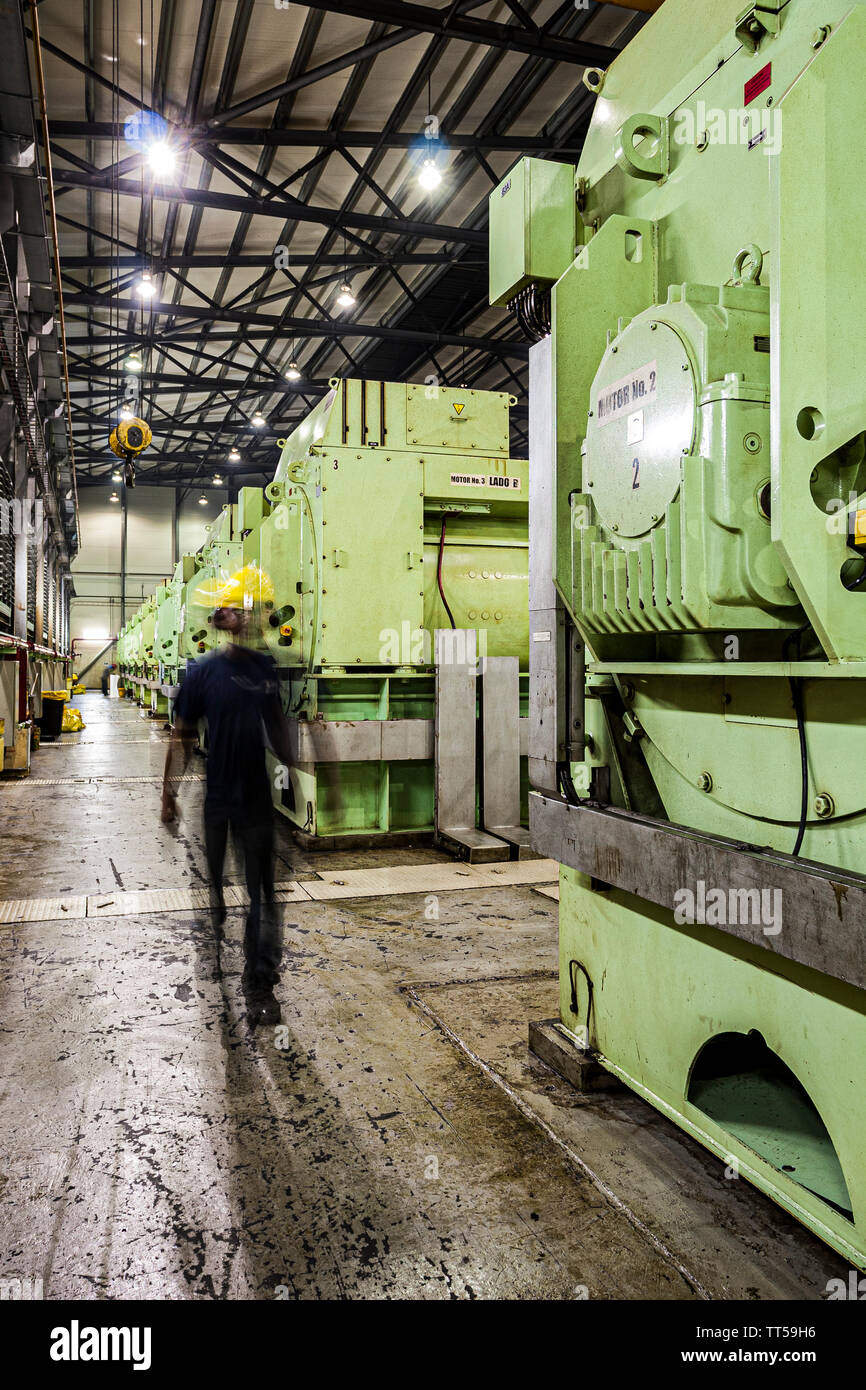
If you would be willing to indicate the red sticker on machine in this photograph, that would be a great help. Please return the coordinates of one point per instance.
(757, 84)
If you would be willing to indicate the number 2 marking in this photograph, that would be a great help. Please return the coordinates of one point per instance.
(635, 463)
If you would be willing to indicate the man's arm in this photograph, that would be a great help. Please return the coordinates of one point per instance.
(187, 712)
(275, 722)
(277, 729)
(177, 756)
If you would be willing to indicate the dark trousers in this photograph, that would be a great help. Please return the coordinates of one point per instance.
(252, 829)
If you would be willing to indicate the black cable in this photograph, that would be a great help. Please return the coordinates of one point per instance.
(575, 1003)
(439, 570)
(566, 785)
(797, 697)
(797, 700)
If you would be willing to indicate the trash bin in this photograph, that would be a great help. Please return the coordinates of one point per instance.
(51, 720)
(113, 683)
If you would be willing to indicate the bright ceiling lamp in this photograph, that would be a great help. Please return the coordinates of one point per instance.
(115, 477)
(429, 176)
(114, 497)
(258, 420)
(217, 480)
(126, 413)
(293, 372)
(133, 363)
(345, 298)
(234, 456)
(202, 501)
(161, 158)
(144, 286)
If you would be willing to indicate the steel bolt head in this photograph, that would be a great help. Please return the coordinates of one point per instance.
(705, 782)
(824, 806)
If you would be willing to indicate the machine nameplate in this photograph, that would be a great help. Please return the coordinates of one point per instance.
(621, 396)
(497, 480)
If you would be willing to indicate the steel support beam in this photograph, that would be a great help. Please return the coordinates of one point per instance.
(263, 260)
(282, 207)
(823, 909)
(299, 327)
(318, 139)
(430, 19)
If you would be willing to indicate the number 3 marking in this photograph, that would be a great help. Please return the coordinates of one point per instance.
(635, 463)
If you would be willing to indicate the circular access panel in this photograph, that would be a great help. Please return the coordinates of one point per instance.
(642, 421)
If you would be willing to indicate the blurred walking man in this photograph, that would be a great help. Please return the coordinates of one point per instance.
(235, 689)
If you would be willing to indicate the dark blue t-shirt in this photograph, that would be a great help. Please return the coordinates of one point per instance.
(234, 692)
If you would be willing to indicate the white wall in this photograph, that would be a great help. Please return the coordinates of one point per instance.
(96, 568)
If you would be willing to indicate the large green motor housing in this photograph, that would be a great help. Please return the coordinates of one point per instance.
(390, 501)
(698, 581)
(395, 508)
(672, 528)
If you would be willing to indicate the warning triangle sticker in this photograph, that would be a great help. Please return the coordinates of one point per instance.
(459, 406)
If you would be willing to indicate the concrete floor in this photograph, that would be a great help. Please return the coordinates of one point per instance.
(391, 1138)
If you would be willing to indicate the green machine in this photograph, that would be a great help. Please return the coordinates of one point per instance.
(395, 511)
(233, 542)
(169, 621)
(173, 626)
(698, 582)
(129, 651)
(137, 653)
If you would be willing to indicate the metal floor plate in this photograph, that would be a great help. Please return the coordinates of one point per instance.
(155, 900)
(81, 781)
(407, 878)
(530, 871)
(98, 742)
(350, 883)
(42, 909)
(429, 878)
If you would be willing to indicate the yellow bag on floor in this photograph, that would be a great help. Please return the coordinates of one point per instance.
(72, 721)
(78, 689)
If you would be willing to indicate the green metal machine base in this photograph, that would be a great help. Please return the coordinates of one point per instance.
(347, 802)
(756, 1057)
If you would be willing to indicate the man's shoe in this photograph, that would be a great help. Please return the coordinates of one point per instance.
(263, 1008)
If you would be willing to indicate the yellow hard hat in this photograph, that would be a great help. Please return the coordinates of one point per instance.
(250, 585)
(211, 593)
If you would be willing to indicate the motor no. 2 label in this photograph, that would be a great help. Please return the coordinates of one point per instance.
(621, 397)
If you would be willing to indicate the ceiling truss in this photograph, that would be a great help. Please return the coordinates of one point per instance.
(215, 353)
